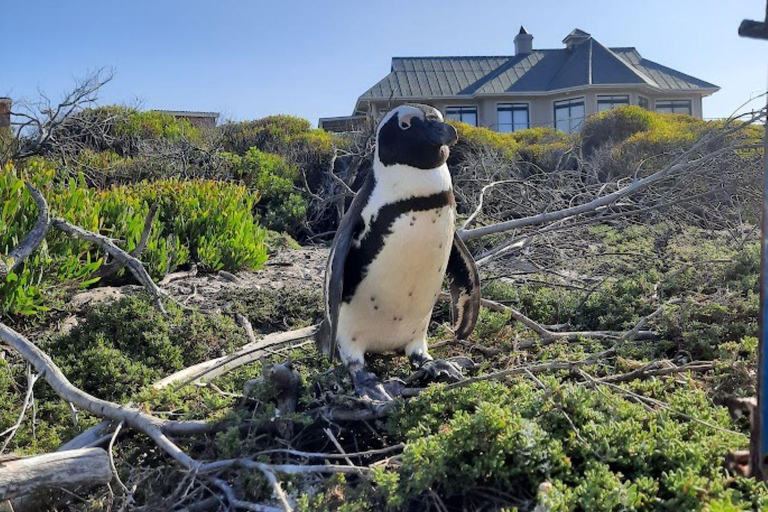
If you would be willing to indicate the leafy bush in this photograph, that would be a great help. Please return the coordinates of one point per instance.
(281, 205)
(615, 125)
(272, 133)
(126, 345)
(204, 221)
(505, 144)
(488, 435)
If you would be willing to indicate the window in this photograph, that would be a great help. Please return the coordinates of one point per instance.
(511, 117)
(674, 106)
(569, 115)
(642, 102)
(464, 114)
(608, 102)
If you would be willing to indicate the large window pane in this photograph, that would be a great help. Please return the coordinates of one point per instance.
(463, 114)
(569, 115)
(520, 120)
(674, 106)
(608, 102)
(512, 117)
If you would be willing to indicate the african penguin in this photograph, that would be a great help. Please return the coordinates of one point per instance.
(392, 250)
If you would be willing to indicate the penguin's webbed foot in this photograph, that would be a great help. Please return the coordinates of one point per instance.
(442, 371)
(377, 395)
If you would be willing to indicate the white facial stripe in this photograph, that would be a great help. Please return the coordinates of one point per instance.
(402, 112)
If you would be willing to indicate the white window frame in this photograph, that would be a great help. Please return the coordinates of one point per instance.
(578, 99)
(527, 105)
(690, 105)
(473, 107)
(603, 96)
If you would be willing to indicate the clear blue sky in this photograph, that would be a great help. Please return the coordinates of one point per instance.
(248, 59)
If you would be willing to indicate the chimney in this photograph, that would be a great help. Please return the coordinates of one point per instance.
(523, 42)
(575, 38)
(5, 112)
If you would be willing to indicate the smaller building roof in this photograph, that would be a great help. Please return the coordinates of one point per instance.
(189, 113)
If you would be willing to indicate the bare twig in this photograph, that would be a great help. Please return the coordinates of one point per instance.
(28, 399)
(114, 266)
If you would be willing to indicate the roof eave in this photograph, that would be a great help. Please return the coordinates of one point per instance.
(702, 90)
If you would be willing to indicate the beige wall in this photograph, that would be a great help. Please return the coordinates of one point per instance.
(541, 109)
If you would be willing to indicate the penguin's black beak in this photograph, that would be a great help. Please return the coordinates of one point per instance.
(441, 134)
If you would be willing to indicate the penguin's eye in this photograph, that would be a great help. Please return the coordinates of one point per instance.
(405, 124)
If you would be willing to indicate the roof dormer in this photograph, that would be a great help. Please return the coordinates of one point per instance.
(575, 38)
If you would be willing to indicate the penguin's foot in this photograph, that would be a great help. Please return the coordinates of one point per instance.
(375, 393)
(442, 371)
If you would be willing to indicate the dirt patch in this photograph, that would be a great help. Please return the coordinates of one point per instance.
(291, 270)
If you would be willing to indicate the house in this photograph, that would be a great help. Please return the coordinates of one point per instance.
(534, 87)
(204, 120)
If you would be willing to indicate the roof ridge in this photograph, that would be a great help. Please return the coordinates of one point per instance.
(645, 78)
(573, 53)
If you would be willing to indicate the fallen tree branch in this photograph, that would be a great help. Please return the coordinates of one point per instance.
(134, 418)
(653, 369)
(133, 264)
(33, 239)
(547, 336)
(68, 470)
(248, 353)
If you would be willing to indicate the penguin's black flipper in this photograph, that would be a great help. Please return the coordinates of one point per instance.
(350, 226)
(465, 288)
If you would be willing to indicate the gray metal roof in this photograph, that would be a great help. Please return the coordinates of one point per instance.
(542, 71)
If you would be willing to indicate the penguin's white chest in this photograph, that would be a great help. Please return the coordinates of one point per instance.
(393, 304)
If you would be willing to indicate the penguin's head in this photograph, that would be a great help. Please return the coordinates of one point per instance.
(414, 135)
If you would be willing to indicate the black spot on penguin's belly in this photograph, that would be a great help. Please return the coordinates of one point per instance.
(361, 256)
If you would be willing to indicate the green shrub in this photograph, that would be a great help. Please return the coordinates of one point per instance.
(614, 125)
(504, 144)
(204, 221)
(126, 345)
(273, 134)
(598, 450)
(282, 205)
(123, 130)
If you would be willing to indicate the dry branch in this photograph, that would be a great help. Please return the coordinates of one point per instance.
(169, 278)
(547, 336)
(68, 470)
(248, 353)
(693, 157)
(33, 239)
(125, 259)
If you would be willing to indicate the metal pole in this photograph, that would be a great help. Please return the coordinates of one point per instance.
(759, 432)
